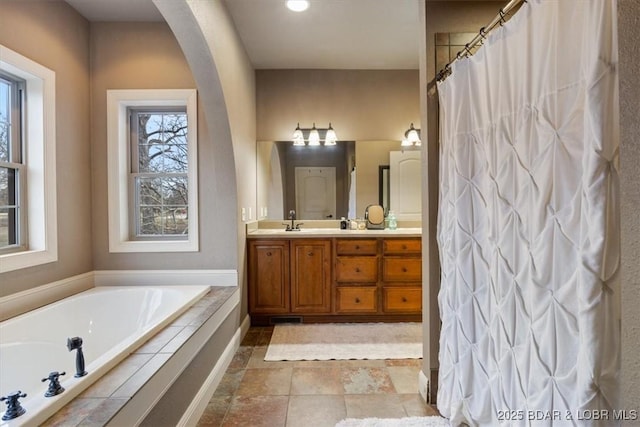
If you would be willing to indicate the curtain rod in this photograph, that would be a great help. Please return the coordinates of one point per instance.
(479, 38)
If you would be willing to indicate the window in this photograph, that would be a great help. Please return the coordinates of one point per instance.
(152, 167)
(159, 166)
(28, 214)
(12, 169)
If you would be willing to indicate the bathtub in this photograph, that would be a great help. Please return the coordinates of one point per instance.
(112, 322)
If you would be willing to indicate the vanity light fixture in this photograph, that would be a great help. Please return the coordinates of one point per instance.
(298, 5)
(411, 137)
(314, 136)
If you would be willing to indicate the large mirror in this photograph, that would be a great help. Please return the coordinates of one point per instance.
(323, 182)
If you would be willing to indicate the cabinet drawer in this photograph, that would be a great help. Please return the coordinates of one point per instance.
(356, 269)
(356, 247)
(358, 299)
(402, 269)
(397, 299)
(402, 246)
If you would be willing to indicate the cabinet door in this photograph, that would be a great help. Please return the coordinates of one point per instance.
(310, 276)
(269, 277)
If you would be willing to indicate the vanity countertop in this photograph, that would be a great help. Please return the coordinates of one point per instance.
(331, 232)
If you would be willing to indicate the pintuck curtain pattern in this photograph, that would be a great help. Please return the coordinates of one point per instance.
(528, 225)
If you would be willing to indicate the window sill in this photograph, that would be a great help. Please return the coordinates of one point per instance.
(154, 246)
(18, 260)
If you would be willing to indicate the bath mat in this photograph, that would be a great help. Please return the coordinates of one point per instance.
(343, 341)
(395, 422)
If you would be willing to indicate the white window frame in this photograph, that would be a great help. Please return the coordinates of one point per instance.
(118, 159)
(40, 160)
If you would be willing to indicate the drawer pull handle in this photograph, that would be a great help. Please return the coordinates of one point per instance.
(357, 300)
(357, 270)
(310, 254)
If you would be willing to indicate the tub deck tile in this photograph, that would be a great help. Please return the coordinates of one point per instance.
(142, 375)
(108, 384)
(155, 344)
(103, 412)
(73, 413)
(177, 341)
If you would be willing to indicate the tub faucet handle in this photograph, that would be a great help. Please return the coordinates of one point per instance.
(14, 408)
(54, 385)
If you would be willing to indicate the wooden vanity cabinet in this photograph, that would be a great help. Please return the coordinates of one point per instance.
(335, 279)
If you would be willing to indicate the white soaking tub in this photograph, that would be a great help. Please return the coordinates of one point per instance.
(112, 322)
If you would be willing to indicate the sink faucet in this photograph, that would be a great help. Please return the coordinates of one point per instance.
(293, 226)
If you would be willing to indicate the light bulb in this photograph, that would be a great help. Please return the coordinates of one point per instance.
(314, 136)
(298, 137)
(331, 137)
(298, 5)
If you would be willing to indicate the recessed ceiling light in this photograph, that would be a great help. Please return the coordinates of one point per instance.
(298, 5)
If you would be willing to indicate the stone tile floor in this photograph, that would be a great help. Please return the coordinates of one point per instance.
(256, 393)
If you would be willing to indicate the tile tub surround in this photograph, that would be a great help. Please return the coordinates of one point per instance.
(311, 393)
(99, 403)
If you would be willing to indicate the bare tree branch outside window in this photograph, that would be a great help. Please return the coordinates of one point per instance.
(160, 173)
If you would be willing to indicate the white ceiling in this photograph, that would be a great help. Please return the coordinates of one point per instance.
(333, 34)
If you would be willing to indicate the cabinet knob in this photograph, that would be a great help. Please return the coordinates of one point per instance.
(357, 269)
(404, 299)
(404, 246)
(357, 300)
(357, 247)
(404, 269)
(310, 254)
(268, 253)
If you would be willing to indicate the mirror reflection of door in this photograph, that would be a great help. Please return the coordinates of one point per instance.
(404, 174)
(316, 193)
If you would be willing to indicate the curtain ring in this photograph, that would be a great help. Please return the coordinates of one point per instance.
(502, 14)
(466, 49)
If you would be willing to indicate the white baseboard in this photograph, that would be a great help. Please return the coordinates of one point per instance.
(30, 299)
(165, 277)
(423, 386)
(199, 403)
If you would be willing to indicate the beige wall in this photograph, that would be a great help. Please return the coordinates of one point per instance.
(141, 56)
(360, 104)
(54, 35)
(629, 52)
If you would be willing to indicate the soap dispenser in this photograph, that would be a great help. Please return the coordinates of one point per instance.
(393, 224)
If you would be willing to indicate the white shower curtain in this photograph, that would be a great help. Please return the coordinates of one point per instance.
(528, 222)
